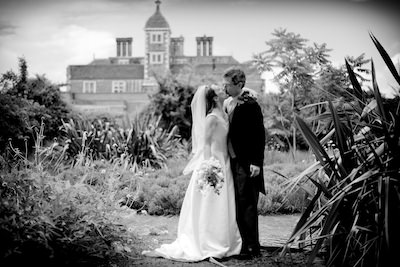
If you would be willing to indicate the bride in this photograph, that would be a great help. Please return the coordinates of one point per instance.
(207, 225)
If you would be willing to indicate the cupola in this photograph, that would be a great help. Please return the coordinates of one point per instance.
(157, 20)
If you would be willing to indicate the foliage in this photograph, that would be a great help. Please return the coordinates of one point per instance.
(25, 103)
(356, 203)
(14, 83)
(20, 119)
(306, 78)
(172, 103)
(279, 200)
(50, 157)
(277, 123)
(296, 64)
(144, 143)
(161, 192)
(48, 95)
(56, 223)
(59, 213)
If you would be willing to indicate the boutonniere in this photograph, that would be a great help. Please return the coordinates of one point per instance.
(244, 98)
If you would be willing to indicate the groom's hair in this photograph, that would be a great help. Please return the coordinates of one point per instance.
(210, 102)
(236, 75)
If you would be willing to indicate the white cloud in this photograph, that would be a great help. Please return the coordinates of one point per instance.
(396, 60)
(80, 44)
(57, 49)
(385, 79)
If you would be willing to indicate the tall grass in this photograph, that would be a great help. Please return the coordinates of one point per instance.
(59, 219)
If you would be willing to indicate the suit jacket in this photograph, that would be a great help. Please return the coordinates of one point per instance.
(247, 135)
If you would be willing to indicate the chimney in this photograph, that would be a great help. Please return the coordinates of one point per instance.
(210, 46)
(204, 46)
(124, 47)
(198, 41)
(177, 46)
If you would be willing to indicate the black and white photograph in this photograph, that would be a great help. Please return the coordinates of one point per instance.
(199, 133)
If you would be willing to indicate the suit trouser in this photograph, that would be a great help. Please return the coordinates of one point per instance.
(246, 195)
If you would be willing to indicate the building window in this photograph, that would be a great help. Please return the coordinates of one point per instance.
(156, 58)
(156, 38)
(118, 86)
(136, 86)
(89, 86)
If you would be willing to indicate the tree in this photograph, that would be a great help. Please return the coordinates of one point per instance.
(26, 103)
(276, 122)
(296, 64)
(172, 102)
(306, 77)
(15, 84)
(47, 94)
(357, 64)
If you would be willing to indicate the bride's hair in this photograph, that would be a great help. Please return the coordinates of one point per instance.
(210, 99)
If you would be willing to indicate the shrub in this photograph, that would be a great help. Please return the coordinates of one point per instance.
(278, 198)
(172, 103)
(55, 223)
(161, 191)
(144, 143)
(356, 202)
(25, 103)
(20, 120)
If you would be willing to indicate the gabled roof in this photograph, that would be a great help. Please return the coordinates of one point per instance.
(157, 20)
(114, 72)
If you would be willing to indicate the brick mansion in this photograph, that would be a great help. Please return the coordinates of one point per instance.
(122, 83)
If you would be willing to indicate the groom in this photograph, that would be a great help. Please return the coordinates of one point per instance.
(246, 142)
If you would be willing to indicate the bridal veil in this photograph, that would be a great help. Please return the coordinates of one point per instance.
(198, 107)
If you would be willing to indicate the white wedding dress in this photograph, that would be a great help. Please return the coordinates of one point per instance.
(207, 223)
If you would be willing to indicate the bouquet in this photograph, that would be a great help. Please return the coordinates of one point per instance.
(210, 176)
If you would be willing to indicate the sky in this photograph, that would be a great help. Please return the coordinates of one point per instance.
(52, 34)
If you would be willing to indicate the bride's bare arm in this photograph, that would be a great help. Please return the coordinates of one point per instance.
(211, 123)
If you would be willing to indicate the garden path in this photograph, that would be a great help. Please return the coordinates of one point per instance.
(274, 229)
(153, 231)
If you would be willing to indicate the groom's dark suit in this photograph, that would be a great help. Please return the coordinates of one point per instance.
(246, 143)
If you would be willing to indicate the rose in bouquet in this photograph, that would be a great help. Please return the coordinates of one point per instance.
(210, 176)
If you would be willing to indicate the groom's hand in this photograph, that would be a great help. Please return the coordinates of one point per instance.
(254, 170)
